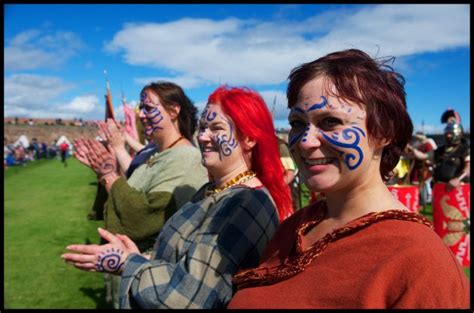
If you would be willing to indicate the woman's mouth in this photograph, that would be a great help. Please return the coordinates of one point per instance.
(319, 161)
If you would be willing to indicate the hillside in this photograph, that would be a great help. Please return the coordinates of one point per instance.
(48, 133)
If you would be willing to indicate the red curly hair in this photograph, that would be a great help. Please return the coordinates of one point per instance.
(252, 118)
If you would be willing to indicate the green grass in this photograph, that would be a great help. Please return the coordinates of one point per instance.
(45, 210)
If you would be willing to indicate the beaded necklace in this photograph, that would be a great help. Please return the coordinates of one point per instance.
(239, 179)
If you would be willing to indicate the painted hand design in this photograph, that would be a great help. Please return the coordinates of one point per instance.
(108, 258)
(94, 155)
(115, 134)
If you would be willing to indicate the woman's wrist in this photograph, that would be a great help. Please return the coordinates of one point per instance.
(108, 179)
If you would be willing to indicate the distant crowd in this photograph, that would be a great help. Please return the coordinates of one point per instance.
(20, 154)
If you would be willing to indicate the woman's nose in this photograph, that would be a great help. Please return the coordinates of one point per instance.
(311, 138)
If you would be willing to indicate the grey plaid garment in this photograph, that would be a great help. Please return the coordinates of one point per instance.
(199, 249)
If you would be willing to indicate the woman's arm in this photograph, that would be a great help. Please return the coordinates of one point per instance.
(201, 277)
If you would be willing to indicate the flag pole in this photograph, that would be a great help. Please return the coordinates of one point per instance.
(109, 108)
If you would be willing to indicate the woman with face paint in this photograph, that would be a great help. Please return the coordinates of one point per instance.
(224, 228)
(359, 248)
(139, 205)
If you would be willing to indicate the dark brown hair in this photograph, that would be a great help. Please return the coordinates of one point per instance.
(169, 94)
(371, 84)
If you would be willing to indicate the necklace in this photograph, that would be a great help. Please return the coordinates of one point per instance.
(175, 142)
(239, 179)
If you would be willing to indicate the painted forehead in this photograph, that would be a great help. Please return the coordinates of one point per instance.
(213, 113)
(325, 103)
(146, 95)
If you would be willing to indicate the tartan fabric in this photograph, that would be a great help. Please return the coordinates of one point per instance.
(199, 249)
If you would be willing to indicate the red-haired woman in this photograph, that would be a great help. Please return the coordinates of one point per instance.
(224, 228)
(360, 247)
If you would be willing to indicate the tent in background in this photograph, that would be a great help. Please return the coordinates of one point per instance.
(23, 140)
(64, 139)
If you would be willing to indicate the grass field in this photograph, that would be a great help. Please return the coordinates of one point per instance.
(45, 210)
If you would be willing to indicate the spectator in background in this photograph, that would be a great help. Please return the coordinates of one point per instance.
(452, 159)
(44, 150)
(52, 150)
(63, 148)
(422, 171)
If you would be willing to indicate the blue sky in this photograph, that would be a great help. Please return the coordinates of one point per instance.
(55, 55)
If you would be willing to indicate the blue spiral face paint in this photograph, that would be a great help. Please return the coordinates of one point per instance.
(352, 160)
(223, 138)
(226, 142)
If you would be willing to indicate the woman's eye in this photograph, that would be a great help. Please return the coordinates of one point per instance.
(297, 124)
(329, 123)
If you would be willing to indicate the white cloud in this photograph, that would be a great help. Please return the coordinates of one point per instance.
(82, 105)
(33, 91)
(34, 49)
(37, 96)
(241, 52)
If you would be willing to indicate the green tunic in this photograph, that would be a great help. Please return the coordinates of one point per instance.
(139, 206)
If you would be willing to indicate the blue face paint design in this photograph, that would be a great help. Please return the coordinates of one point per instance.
(155, 118)
(226, 143)
(208, 116)
(211, 116)
(293, 139)
(349, 157)
(318, 105)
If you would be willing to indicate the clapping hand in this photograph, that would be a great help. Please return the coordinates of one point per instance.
(108, 258)
(94, 155)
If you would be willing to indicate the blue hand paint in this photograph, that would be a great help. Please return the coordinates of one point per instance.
(109, 261)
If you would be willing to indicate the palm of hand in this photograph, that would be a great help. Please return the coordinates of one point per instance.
(94, 155)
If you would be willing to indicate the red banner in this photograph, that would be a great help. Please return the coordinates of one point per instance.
(408, 195)
(451, 219)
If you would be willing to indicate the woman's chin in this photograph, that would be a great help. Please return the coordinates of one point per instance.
(319, 185)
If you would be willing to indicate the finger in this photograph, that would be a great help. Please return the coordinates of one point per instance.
(82, 159)
(85, 267)
(79, 258)
(88, 249)
(108, 236)
(128, 243)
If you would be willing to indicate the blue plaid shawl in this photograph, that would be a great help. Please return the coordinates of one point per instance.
(199, 249)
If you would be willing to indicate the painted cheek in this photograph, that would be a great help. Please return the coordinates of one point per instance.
(296, 136)
(347, 142)
(155, 117)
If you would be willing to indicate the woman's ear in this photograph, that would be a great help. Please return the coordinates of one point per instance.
(248, 143)
(174, 110)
